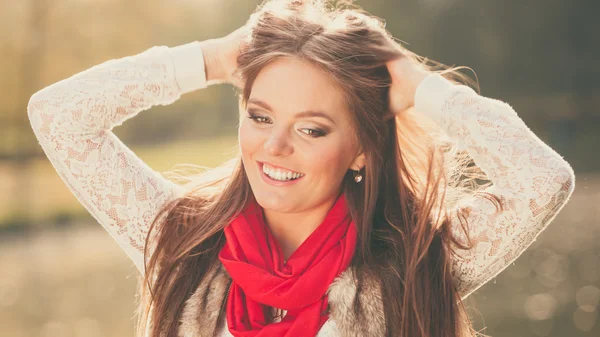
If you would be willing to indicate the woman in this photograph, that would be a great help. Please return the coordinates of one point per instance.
(355, 182)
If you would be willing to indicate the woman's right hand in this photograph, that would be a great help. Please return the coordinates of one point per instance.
(220, 56)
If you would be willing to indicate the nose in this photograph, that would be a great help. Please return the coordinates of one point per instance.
(278, 144)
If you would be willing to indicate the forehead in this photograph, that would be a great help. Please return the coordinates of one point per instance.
(291, 85)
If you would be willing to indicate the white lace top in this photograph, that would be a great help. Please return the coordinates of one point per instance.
(73, 121)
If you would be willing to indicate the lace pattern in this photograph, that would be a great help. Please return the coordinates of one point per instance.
(531, 179)
(73, 119)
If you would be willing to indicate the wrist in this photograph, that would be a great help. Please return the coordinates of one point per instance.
(413, 74)
(212, 63)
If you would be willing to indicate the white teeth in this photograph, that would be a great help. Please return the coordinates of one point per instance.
(278, 174)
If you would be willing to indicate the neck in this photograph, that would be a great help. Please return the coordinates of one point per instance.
(291, 229)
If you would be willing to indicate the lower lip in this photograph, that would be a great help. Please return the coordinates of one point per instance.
(274, 182)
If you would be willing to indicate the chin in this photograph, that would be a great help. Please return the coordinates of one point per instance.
(274, 203)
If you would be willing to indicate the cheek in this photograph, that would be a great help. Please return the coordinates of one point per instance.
(249, 140)
(329, 161)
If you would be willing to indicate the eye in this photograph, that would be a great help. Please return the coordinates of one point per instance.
(315, 133)
(258, 119)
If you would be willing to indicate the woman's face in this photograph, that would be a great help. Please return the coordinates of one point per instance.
(296, 137)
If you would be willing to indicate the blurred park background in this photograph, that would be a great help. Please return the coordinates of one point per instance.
(61, 275)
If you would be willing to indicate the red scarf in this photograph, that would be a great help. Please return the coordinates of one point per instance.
(260, 278)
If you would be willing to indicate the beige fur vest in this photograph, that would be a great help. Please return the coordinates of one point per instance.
(203, 312)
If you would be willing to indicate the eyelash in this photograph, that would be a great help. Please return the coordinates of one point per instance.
(316, 133)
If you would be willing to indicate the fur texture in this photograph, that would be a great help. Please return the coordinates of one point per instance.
(370, 318)
(204, 311)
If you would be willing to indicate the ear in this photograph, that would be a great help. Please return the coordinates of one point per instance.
(359, 162)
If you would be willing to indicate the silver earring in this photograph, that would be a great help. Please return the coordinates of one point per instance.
(357, 176)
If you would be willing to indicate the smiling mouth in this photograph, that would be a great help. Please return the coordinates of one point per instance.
(279, 174)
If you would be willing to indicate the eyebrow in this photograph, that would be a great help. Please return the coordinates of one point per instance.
(307, 113)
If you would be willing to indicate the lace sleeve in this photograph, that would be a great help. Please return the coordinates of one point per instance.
(73, 119)
(532, 180)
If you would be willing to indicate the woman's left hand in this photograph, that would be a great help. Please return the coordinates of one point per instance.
(406, 75)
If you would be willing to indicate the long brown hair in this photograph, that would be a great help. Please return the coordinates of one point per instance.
(413, 175)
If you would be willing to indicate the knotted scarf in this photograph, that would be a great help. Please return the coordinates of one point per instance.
(261, 278)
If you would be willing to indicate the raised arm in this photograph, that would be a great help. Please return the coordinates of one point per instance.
(533, 181)
(73, 119)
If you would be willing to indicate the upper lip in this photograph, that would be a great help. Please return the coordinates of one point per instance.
(277, 166)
